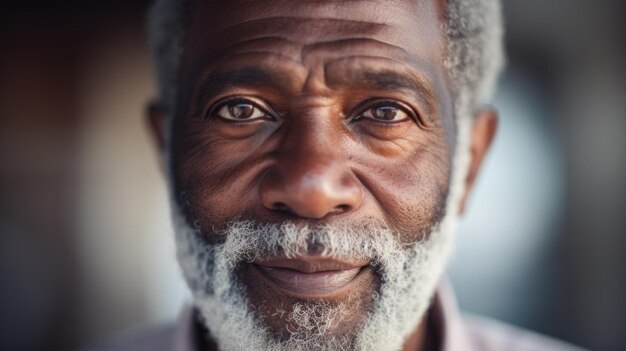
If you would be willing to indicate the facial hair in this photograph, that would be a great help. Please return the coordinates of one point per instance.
(409, 276)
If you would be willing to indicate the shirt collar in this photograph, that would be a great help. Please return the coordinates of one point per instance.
(448, 321)
(186, 335)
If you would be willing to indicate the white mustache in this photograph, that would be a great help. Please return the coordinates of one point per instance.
(250, 241)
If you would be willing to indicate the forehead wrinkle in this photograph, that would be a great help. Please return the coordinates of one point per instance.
(334, 48)
(305, 18)
(274, 66)
(385, 11)
(261, 54)
(278, 45)
(304, 30)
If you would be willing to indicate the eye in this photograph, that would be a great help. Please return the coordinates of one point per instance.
(385, 111)
(242, 110)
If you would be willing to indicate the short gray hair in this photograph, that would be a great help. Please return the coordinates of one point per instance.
(474, 59)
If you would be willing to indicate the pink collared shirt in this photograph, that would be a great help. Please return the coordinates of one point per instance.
(457, 332)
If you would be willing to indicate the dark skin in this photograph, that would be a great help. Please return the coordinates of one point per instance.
(317, 112)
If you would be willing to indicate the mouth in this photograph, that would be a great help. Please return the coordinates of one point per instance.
(311, 277)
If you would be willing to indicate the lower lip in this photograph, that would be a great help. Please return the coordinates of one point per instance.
(309, 284)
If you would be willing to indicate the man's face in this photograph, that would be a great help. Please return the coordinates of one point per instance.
(313, 113)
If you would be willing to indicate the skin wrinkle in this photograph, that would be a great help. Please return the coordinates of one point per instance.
(234, 170)
(289, 9)
(266, 27)
(267, 42)
(273, 39)
(420, 212)
(305, 19)
(404, 213)
(368, 45)
(359, 32)
(333, 11)
(357, 40)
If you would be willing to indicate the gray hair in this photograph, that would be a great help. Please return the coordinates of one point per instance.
(474, 59)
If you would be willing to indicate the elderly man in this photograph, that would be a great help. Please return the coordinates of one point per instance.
(319, 154)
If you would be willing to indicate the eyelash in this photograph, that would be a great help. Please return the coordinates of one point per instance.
(375, 103)
(212, 112)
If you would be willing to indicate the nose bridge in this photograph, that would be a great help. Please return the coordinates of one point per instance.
(311, 177)
(312, 146)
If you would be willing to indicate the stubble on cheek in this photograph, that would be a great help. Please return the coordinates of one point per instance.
(411, 192)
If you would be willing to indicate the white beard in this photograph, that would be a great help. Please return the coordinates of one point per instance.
(409, 277)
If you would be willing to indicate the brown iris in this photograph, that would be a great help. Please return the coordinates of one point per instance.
(240, 110)
(386, 113)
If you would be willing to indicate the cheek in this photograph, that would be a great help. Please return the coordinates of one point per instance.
(410, 189)
(217, 177)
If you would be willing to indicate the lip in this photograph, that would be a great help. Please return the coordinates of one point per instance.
(310, 276)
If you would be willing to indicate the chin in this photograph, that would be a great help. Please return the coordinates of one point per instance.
(337, 314)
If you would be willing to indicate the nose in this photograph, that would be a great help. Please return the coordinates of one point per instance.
(311, 179)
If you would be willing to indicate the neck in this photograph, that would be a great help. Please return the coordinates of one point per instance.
(424, 338)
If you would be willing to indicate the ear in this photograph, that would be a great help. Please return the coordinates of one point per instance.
(483, 130)
(157, 124)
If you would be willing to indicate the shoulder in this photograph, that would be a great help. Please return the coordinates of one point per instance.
(490, 335)
(155, 339)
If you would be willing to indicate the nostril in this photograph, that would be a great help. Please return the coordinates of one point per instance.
(280, 206)
(343, 208)
(340, 209)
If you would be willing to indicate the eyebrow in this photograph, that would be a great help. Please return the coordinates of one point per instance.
(251, 76)
(217, 80)
(386, 79)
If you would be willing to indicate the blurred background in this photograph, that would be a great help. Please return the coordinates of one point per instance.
(86, 252)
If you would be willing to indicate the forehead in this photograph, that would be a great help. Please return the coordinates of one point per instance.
(411, 25)
(306, 32)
